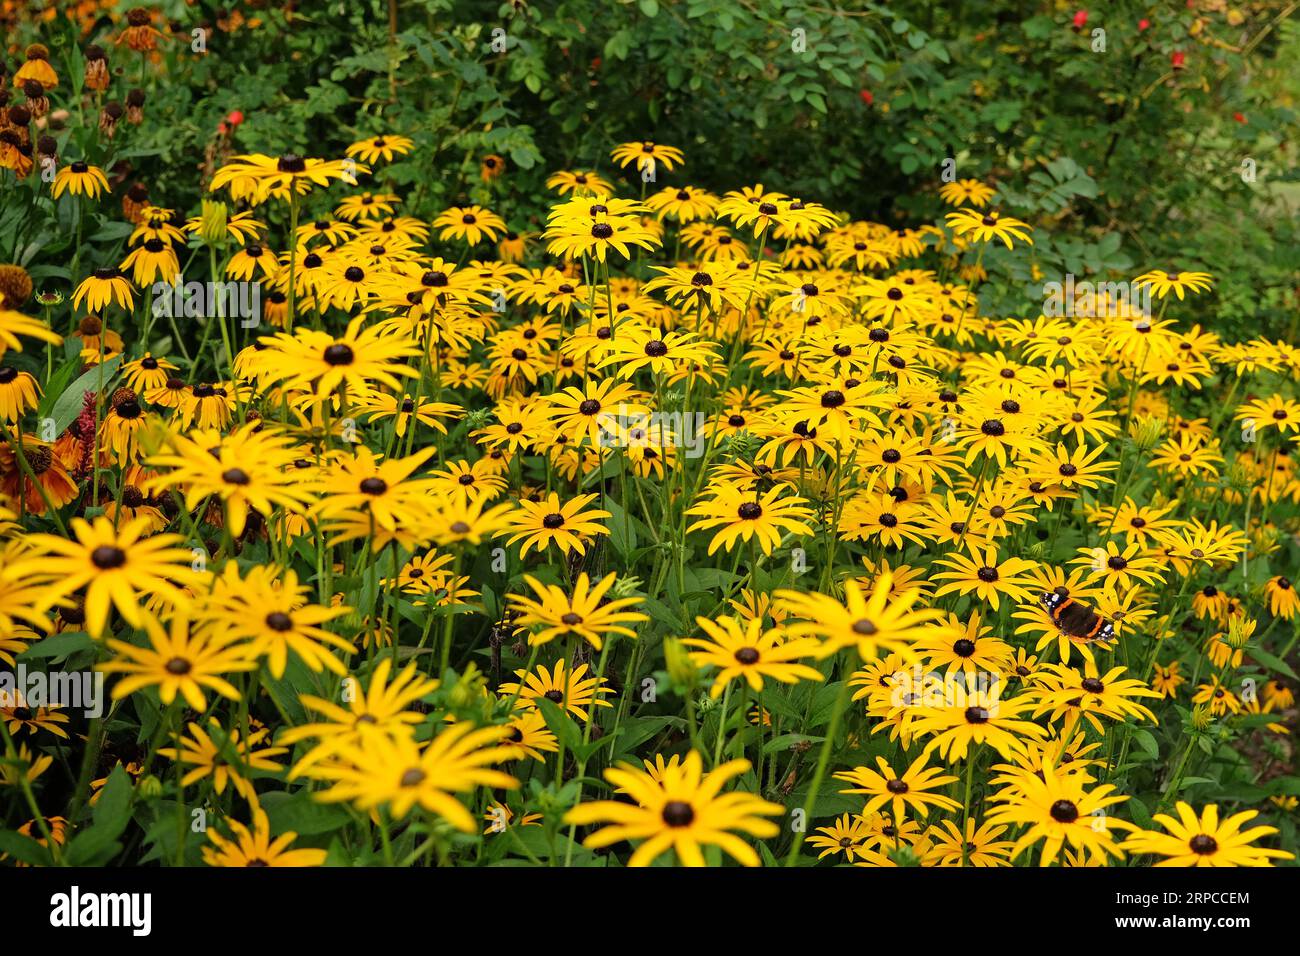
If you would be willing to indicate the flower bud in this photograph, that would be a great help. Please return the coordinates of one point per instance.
(212, 223)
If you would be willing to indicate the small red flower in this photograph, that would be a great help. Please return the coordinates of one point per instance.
(1177, 59)
(866, 96)
(1239, 117)
(235, 117)
(1080, 19)
(1143, 24)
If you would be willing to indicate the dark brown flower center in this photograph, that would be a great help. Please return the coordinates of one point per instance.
(107, 557)
(338, 354)
(1064, 811)
(678, 813)
(1203, 844)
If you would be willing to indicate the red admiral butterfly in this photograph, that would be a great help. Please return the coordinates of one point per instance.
(1076, 620)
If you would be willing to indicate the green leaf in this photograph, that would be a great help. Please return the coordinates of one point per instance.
(68, 407)
(98, 844)
(1147, 742)
(560, 723)
(112, 231)
(1271, 662)
(23, 848)
(301, 814)
(58, 645)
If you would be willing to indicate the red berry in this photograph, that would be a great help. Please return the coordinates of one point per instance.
(1080, 18)
(235, 117)
(866, 96)
(1177, 59)
(1143, 24)
(1239, 117)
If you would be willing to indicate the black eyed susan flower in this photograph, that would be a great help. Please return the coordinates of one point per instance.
(715, 287)
(1272, 412)
(1282, 599)
(744, 649)
(658, 351)
(103, 287)
(1179, 283)
(586, 613)
(647, 155)
(846, 835)
(247, 470)
(568, 526)
(1069, 693)
(254, 847)
(954, 718)
(382, 490)
(681, 811)
(754, 206)
(267, 610)
(381, 147)
(256, 177)
(1071, 468)
(117, 566)
(597, 236)
(685, 204)
(322, 362)
(961, 192)
(568, 689)
(19, 393)
(152, 260)
(529, 736)
(875, 621)
(1119, 568)
(147, 372)
(585, 414)
(224, 755)
(79, 179)
(579, 182)
(982, 845)
(48, 480)
(986, 225)
(180, 660)
(470, 224)
(1060, 810)
(1205, 840)
(910, 790)
(383, 707)
(1187, 456)
(1218, 698)
(20, 715)
(740, 516)
(981, 573)
(124, 421)
(1166, 680)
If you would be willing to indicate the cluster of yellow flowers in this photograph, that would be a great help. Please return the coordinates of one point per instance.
(787, 488)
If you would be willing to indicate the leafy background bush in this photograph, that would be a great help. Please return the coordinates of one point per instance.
(1128, 159)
